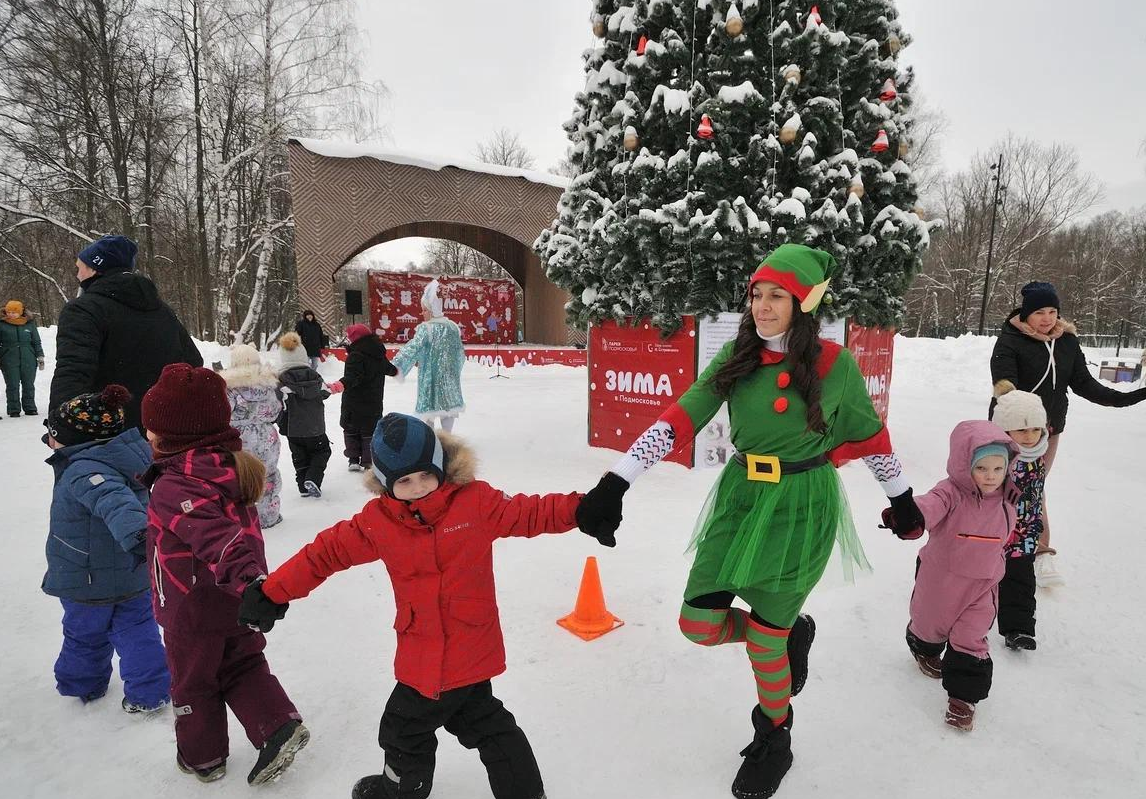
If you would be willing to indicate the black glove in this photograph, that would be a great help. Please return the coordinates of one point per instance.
(138, 555)
(599, 512)
(904, 517)
(257, 611)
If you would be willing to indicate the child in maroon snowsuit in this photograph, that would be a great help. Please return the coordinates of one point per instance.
(204, 546)
(433, 526)
(969, 517)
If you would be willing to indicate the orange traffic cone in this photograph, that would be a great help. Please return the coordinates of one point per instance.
(589, 618)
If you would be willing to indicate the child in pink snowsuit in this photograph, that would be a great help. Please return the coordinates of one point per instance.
(969, 517)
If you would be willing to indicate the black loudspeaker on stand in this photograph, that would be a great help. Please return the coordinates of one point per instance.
(353, 302)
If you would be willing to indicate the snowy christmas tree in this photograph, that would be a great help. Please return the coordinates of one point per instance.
(709, 132)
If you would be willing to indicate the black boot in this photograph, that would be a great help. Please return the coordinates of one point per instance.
(766, 760)
(799, 644)
(389, 786)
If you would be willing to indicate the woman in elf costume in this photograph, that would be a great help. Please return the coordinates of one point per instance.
(797, 404)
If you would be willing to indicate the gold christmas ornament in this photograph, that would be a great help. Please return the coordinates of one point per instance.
(599, 28)
(894, 45)
(857, 188)
(733, 24)
(632, 140)
(790, 130)
(904, 148)
(919, 212)
(792, 73)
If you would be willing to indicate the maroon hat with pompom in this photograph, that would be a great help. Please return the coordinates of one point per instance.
(89, 417)
(187, 408)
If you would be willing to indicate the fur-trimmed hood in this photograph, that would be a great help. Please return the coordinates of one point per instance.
(461, 463)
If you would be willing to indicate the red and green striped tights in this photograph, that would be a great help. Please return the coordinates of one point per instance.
(767, 650)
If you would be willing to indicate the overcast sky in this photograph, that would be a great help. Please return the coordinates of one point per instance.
(1050, 70)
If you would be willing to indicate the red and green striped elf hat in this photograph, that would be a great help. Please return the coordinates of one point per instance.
(803, 271)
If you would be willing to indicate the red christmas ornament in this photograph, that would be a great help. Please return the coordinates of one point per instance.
(888, 93)
(881, 143)
(704, 130)
(642, 44)
(814, 16)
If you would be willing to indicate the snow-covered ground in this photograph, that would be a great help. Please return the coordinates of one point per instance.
(642, 712)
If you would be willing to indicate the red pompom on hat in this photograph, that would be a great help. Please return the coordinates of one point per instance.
(188, 408)
(356, 332)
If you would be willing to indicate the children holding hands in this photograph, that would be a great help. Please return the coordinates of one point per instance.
(433, 525)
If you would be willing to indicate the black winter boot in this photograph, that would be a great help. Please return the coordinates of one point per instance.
(389, 786)
(766, 760)
(799, 644)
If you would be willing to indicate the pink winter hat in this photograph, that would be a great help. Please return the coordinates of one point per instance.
(356, 332)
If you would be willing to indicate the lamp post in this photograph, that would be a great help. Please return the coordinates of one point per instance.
(997, 169)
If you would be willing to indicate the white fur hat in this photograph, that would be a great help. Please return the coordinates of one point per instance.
(243, 355)
(432, 298)
(1018, 410)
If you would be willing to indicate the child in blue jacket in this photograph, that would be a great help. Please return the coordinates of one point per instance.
(96, 553)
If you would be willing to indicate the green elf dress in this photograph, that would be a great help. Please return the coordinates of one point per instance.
(771, 521)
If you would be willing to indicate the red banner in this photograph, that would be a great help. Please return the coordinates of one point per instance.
(634, 375)
(873, 348)
(508, 356)
(483, 309)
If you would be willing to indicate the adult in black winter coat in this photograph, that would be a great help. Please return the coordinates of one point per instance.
(312, 335)
(117, 331)
(363, 383)
(1038, 352)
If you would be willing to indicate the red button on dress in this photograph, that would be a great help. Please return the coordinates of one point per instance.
(781, 404)
(783, 380)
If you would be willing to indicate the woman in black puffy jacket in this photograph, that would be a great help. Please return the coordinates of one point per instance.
(1039, 352)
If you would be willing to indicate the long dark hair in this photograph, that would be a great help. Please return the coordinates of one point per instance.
(803, 353)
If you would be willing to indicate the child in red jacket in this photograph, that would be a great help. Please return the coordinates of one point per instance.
(205, 547)
(433, 526)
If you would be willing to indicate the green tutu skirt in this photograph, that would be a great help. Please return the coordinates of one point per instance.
(756, 537)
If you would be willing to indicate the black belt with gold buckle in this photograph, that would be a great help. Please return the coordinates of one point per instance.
(769, 468)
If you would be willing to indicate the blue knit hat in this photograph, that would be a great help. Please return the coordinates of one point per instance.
(404, 445)
(987, 450)
(110, 254)
(1037, 295)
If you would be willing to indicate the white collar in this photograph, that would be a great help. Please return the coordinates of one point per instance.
(776, 343)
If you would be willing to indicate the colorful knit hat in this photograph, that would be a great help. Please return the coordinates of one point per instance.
(357, 332)
(187, 408)
(89, 417)
(404, 445)
(803, 271)
(14, 306)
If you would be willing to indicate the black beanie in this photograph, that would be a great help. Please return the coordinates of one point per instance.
(1035, 296)
(109, 254)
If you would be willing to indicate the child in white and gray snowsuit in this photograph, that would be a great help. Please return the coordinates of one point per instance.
(252, 388)
(303, 421)
(1023, 416)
